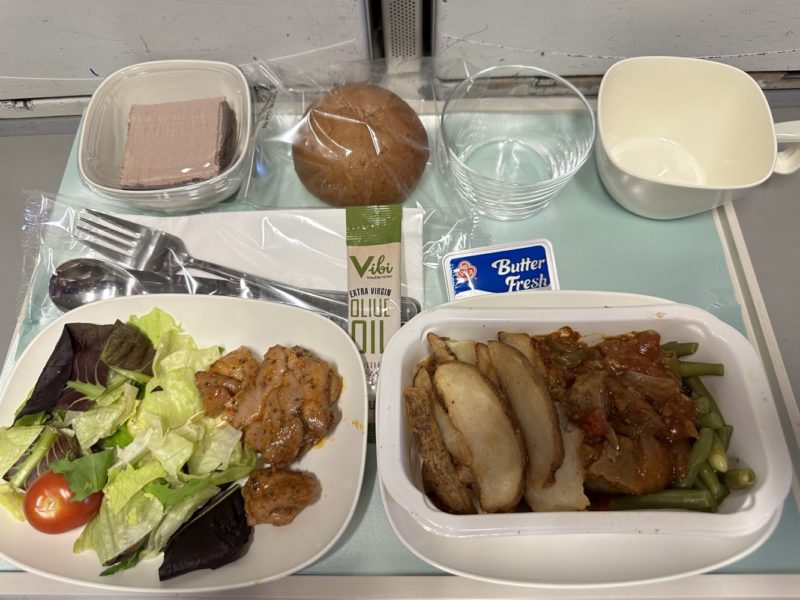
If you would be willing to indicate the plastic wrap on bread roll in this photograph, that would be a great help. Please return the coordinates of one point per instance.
(360, 144)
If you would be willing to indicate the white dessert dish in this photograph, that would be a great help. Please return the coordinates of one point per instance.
(103, 136)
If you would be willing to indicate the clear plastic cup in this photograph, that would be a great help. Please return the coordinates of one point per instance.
(513, 136)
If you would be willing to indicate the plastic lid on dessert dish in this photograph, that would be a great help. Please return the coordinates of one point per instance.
(168, 135)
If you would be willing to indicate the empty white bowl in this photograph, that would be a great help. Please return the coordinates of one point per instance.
(678, 136)
(105, 125)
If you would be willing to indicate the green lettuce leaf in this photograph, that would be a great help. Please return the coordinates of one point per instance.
(119, 439)
(130, 561)
(14, 441)
(100, 421)
(172, 451)
(39, 418)
(92, 391)
(215, 449)
(242, 461)
(124, 484)
(178, 351)
(181, 506)
(115, 534)
(169, 496)
(174, 399)
(154, 324)
(142, 427)
(87, 474)
(11, 499)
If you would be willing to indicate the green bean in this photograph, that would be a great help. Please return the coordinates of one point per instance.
(570, 360)
(712, 417)
(561, 343)
(712, 483)
(703, 405)
(697, 457)
(680, 348)
(737, 479)
(698, 388)
(717, 457)
(678, 499)
(724, 434)
(696, 369)
(712, 420)
(671, 360)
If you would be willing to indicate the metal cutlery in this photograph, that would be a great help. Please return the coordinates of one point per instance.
(154, 251)
(80, 281)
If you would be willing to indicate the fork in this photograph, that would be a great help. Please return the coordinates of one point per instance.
(144, 248)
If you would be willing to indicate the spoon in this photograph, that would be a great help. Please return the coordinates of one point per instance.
(83, 280)
(80, 281)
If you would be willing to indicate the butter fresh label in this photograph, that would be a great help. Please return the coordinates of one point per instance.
(500, 269)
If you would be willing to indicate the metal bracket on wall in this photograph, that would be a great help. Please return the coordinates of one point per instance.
(43, 107)
(402, 28)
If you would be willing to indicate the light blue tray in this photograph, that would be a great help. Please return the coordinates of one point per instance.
(597, 246)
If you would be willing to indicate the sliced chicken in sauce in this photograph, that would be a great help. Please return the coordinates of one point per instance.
(290, 406)
(284, 404)
(225, 378)
(276, 496)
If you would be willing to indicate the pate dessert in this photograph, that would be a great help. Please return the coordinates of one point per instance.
(175, 143)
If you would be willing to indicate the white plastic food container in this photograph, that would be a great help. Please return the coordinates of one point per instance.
(743, 395)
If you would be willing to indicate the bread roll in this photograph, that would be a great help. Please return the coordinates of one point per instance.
(360, 144)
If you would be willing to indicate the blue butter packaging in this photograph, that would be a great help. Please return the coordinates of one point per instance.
(500, 269)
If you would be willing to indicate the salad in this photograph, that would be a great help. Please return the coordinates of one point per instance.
(113, 436)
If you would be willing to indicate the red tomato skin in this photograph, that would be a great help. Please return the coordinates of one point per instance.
(48, 506)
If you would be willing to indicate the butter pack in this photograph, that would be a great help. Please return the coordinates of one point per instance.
(500, 269)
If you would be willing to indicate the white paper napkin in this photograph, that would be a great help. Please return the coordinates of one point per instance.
(304, 247)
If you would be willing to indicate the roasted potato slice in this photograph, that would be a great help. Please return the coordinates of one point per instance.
(446, 349)
(439, 473)
(422, 377)
(567, 491)
(536, 411)
(497, 452)
(524, 343)
(439, 349)
(454, 442)
(463, 350)
(483, 361)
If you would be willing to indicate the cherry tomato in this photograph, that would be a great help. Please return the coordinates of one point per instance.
(48, 506)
